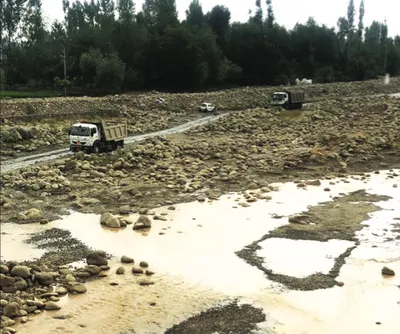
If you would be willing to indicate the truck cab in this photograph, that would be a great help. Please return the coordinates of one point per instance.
(83, 135)
(280, 98)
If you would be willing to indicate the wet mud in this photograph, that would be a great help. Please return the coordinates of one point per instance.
(227, 319)
(61, 248)
(338, 219)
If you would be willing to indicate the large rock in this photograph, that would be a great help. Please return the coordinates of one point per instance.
(110, 220)
(124, 210)
(387, 271)
(51, 306)
(21, 284)
(11, 310)
(44, 278)
(126, 259)
(26, 133)
(92, 269)
(142, 222)
(6, 280)
(21, 271)
(33, 214)
(77, 288)
(97, 258)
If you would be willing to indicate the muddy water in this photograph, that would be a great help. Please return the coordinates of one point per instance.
(320, 255)
(13, 245)
(193, 256)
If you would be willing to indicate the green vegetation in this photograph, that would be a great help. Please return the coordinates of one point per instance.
(107, 45)
(11, 94)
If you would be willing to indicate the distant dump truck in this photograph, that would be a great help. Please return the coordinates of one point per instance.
(207, 107)
(96, 137)
(288, 100)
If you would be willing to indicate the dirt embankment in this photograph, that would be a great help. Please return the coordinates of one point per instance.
(32, 125)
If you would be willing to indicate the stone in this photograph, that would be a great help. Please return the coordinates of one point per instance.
(127, 259)
(51, 306)
(387, 271)
(137, 270)
(77, 288)
(21, 271)
(149, 272)
(4, 269)
(11, 310)
(60, 290)
(6, 321)
(313, 182)
(110, 220)
(92, 269)
(124, 210)
(33, 214)
(142, 222)
(44, 278)
(21, 284)
(120, 271)
(6, 280)
(143, 264)
(97, 258)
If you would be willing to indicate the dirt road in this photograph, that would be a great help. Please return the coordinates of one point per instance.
(25, 161)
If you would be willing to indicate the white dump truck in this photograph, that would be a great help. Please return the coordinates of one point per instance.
(97, 136)
(207, 107)
(288, 99)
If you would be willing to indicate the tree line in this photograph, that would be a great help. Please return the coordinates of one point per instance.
(108, 45)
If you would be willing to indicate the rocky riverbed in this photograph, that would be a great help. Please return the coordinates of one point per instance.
(139, 188)
(36, 125)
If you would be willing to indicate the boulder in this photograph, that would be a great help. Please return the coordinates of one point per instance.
(21, 284)
(11, 310)
(21, 271)
(120, 271)
(77, 288)
(6, 280)
(110, 220)
(126, 259)
(97, 258)
(387, 271)
(92, 269)
(33, 214)
(124, 210)
(51, 306)
(142, 222)
(44, 278)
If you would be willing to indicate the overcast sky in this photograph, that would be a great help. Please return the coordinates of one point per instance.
(287, 12)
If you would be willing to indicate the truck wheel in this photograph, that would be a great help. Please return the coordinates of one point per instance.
(96, 148)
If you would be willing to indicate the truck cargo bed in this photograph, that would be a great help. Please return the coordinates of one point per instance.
(115, 131)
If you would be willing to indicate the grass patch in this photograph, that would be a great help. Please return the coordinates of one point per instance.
(11, 94)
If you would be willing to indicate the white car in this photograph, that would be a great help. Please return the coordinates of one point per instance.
(207, 107)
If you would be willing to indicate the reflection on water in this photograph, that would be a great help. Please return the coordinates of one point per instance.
(301, 258)
(193, 255)
(13, 245)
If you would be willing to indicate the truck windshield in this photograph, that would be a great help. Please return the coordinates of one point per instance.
(80, 131)
(278, 97)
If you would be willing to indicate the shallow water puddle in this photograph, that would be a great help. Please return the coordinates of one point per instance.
(301, 258)
(194, 257)
(13, 245)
